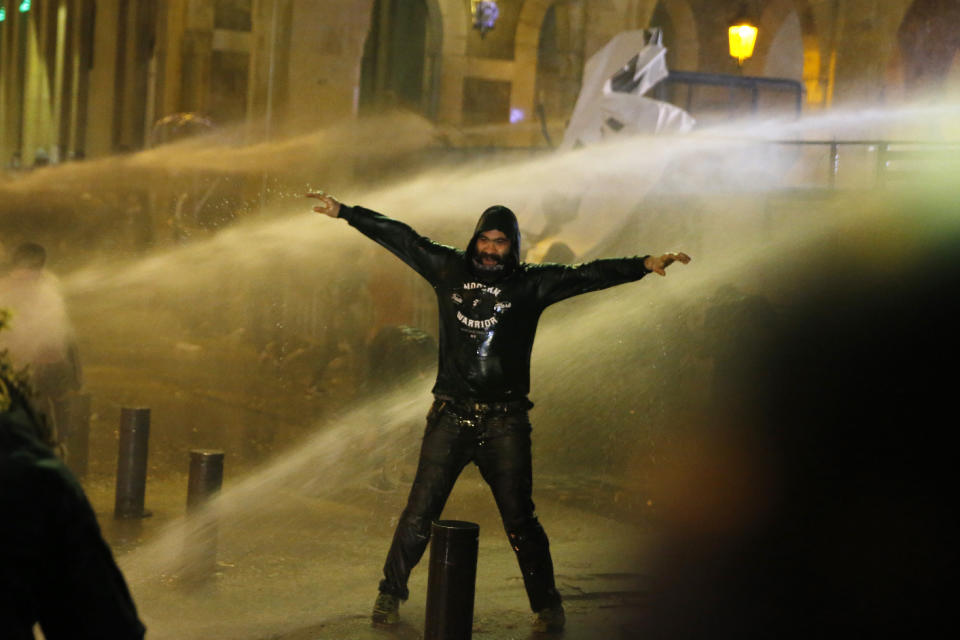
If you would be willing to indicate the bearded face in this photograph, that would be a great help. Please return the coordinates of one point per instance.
(492, 249)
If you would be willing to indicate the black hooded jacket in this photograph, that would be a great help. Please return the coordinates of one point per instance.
(488, 320)
(55, 567)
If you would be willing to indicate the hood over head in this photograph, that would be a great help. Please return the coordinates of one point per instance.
(502, 219)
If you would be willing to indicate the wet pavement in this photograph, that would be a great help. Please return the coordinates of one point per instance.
(309, 569)
(300, 550)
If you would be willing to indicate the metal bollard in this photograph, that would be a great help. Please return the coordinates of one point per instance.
(452, 580)
(132, 463)
(206, 476)
(200, 545)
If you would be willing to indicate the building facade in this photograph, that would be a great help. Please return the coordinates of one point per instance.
(88, 78)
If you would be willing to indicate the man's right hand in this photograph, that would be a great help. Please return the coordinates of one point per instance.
(328, 206)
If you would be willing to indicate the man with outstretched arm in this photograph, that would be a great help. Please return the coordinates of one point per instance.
(489, 304)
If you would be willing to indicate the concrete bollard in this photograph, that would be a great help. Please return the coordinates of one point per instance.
(200, 545)
(132, 463)
(452, 580)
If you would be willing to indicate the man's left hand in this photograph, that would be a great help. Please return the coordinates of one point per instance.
(659, 264)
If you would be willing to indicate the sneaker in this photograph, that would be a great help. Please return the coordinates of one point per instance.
(550, 619)
(386, 610)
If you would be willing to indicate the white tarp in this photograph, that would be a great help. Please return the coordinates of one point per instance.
(611, 98)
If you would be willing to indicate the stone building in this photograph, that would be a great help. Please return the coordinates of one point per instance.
(86, 78)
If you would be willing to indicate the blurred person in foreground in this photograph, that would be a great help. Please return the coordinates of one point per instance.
(39, 335)
(489, 304)
(55, 568)
(824, 506)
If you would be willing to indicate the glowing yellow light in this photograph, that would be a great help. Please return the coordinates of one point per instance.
(743, 37)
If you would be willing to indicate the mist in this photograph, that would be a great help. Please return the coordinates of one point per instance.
(243, 323)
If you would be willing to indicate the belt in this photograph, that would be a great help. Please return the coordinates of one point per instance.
(477, 407)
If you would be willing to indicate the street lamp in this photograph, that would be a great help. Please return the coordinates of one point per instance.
(743, 36)
(485, 14)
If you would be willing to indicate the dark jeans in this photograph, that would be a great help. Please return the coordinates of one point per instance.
(497, 439)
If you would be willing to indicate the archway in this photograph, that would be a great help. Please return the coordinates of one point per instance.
(780, 48)
(789, 47)
(680, 35)
(401, 57)
(526, 43)
(560, 63)
(929, 40)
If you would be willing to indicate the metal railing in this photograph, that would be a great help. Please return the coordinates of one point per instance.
(893, 159)
(752, 84)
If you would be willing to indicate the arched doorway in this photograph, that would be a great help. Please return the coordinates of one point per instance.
(400, 57)
(560, 63)
(929, 39)
(675, 19)
(780, 53)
